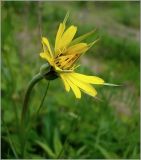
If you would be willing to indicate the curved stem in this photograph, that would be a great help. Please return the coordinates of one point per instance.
(35, 79)
(32, 83)
(44, 73)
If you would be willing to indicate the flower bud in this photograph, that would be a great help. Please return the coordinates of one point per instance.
(47, 72)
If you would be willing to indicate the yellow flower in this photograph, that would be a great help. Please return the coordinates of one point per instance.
(64, 56)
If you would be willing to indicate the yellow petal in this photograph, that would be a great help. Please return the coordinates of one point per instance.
(46, 46)
(87, 88)
(66, 38)
(59, 35)
(67, 87)
(75, 89)
(87, 79)
(77, 49)
(46, 56)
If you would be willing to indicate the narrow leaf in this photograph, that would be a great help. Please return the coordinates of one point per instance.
(105, 153)
(57, 142)
(46, 148)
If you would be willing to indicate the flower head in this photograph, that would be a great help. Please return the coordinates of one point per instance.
(63, 59)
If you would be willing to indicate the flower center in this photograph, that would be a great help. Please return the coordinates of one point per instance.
(66, 61)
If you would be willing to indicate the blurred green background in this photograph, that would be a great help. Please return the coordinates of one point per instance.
(94, 129)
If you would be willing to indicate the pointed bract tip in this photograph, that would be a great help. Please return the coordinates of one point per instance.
(114, 85)
(66, 17)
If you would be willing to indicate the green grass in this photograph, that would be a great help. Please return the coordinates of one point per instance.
(107, 128)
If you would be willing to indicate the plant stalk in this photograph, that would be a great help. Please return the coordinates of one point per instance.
(35, 80)
(25, 110)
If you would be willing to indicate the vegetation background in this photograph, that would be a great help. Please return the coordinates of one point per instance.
(93, 129)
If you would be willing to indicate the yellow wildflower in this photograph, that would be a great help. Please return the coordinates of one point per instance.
(64, 56)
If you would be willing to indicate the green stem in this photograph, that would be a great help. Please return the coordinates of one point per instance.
(32, 83)
(35, 79)
(40, 106)
(44, 73)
